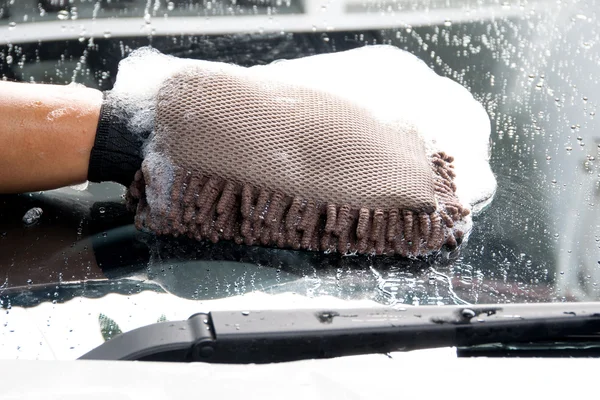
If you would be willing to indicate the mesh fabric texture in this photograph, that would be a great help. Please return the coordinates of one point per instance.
(257, 161)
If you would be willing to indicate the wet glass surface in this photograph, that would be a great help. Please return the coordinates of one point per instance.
(539, 239)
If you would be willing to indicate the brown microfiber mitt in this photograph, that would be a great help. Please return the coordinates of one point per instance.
(237, 156)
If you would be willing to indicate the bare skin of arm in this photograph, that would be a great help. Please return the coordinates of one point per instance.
(46, 135)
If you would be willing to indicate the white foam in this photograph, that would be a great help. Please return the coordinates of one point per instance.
(161, 178)
(138, 81)
(395, 85)
(140, 77)
(80, 187)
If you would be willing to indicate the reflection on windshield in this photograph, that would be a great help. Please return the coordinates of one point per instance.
(539, 240)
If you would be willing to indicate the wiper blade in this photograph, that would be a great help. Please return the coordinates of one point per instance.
(288, 335)
(571, 347)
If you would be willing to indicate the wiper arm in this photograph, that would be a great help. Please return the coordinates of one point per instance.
(274, 336)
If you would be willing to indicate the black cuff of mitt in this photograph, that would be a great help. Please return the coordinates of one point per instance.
(117, 152)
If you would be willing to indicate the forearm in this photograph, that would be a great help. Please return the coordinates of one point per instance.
(46, 135)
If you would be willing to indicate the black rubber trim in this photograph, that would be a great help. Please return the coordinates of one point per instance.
(117, 152)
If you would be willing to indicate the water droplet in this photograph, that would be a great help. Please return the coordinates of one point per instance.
(107, 34)
(447, 23)
(32, 216)
(63, 15)
(548, 158)
(12, 25)
(9, 59)
(101, 210)
(246, 313)
(170, 6)
(29, 281)
(579, 138)
(568, 148)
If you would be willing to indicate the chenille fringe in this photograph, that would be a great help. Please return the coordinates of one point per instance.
(212, 208)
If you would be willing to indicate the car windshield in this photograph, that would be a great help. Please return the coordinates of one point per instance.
(84, 273)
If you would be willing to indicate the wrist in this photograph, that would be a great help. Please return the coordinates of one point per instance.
(117, 152)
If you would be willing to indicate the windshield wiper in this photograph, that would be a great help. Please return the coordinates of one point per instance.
(288, 335)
